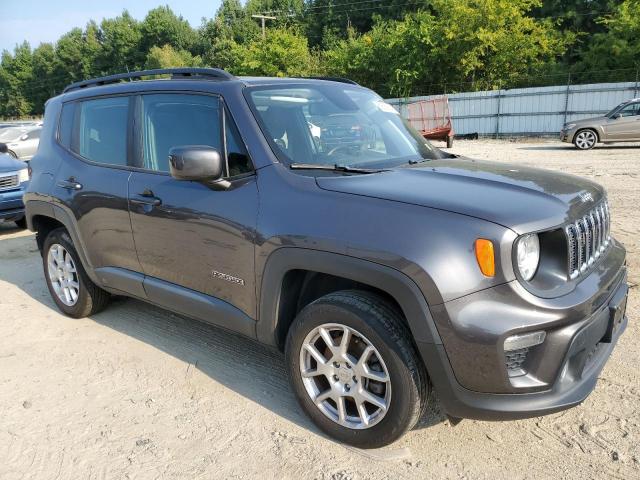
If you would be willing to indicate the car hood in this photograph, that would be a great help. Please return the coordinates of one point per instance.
(10, 164)
(520, 198)
(589, 121)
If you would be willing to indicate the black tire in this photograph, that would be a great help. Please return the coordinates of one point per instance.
(22, 223)
(450, 141)
(383, 326)
(585, 139)
(13, 154)
(91, 298)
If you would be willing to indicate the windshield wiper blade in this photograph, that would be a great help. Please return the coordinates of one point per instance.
(334, 168)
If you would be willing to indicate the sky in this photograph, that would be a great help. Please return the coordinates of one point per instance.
(45, 20)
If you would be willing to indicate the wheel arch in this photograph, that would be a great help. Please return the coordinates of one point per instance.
(290, 281)
(593, 128)
(42, 217)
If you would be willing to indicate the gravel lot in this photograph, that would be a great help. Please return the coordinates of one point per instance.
(136, 392)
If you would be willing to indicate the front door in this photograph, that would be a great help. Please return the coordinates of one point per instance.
(187, 233)
(626, 127)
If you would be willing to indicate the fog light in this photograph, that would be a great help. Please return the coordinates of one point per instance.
(526, 340)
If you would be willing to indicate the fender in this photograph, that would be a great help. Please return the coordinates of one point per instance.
(395, 283)
(38, 207)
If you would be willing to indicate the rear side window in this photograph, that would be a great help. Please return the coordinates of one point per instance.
(66, 124)
(171, 120)
(100, 132)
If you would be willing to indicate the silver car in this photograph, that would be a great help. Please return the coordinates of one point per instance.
(25, 143)
(622, 124)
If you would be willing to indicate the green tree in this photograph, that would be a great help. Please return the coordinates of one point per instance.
(619, 46)
(161, 27)
(167, 57)
(121, 38)
(463, 44)
(16, 74)
(282, 53)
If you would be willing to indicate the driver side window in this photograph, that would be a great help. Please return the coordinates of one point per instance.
(630, 110)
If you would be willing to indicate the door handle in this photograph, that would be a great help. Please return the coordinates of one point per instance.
(147, 198)
(70, 184)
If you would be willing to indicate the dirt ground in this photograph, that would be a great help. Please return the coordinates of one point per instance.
(136, 392)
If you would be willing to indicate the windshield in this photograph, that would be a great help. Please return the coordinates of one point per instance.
(336, 125)
(612, 112)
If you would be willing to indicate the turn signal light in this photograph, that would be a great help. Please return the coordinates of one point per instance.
(485, 257)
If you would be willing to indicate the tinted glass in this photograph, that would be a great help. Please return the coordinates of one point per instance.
(328, 124)
(66, 124)
(630, 110)
(34, 134)
(237, 156)
(102, 130)
(172, 120)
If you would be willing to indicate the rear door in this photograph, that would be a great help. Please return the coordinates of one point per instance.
(187, 233)
(93, 178)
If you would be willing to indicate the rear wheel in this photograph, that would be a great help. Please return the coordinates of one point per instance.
(71, 288)
(355, 370)
(585, 139)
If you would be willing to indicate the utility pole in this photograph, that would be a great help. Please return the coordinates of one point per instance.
(263, 18)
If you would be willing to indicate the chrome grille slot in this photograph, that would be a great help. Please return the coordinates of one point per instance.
(8, 181)
(587, 238)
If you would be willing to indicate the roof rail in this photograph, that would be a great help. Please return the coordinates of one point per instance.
(201, 73)
(335, 79)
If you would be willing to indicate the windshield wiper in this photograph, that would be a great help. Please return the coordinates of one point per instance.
(333, 168)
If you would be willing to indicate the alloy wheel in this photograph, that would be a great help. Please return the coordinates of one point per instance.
(63, 275)
(345, 376)
(586, 139)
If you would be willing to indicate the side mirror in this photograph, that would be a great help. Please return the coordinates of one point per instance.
(616, 116)
(24, 137)
(198, 163)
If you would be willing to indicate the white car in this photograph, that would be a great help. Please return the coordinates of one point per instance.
(22, 142)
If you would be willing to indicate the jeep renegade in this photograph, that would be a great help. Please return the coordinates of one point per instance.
(307, 214)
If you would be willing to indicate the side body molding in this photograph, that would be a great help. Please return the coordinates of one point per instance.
(395, 283)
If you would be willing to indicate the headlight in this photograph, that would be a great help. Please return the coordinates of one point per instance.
(569, 126)
(23, 175)
(528, 255)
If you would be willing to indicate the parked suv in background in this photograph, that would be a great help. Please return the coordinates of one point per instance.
(622, 124)
(14, 178)
(381, 268)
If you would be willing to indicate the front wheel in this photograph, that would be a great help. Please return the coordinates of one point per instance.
(355, 370)
(71, 288)
(585, 139)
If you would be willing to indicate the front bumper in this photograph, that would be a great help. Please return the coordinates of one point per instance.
(567, 135)
(469, 370)
(11, 205)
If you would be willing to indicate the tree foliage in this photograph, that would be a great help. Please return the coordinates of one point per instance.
(396, 47)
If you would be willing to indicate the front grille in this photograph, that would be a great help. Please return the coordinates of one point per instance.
(587, 238)
(514, 360)
(8, 182)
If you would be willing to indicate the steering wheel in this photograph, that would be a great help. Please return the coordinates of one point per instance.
(337, 149)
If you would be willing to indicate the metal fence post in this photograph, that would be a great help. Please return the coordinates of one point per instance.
(498, 113)
(635, 90)
(566, 99)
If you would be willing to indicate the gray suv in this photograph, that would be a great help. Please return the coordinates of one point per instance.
(381, 268)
